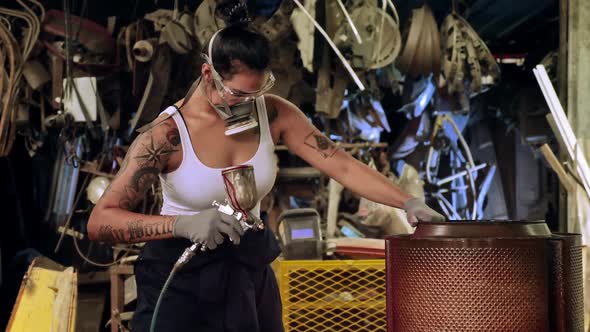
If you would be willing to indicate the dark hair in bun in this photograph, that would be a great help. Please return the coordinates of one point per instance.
(237, 41)
(233, 12)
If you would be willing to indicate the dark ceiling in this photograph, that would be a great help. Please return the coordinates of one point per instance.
(508, 26)
(514, 26)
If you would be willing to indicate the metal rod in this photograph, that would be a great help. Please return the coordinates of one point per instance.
(332, 45)
(460, 174)
(564, 128)
(350, 22)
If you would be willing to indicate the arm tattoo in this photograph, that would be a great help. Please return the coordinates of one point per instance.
(123, 165)
(151, 158)
(141, 182)
(321, 143)
(173, 136)
(107, 234)
(138, 230)
(155, 153)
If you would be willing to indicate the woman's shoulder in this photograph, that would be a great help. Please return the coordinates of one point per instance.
(277, 107)
(164, 120)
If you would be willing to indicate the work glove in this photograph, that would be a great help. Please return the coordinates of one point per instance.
(417, 211)
(208, 227)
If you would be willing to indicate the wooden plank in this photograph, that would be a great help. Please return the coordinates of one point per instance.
(117, 298)
(73, 304)
(555, 130)
(118, 273)
(564, 127)
(564, 178)
(130, 290)
(19, 299)
(87, 168)
(63, 304)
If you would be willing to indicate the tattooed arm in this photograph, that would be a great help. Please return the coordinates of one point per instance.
(306, 141)
(111, 219)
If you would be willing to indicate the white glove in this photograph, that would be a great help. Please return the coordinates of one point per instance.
(207, 228)
(418, 211)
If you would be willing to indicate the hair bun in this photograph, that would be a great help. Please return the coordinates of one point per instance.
(233, 12)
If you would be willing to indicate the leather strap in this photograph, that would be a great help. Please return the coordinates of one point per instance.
(133, 33)
(190, 92)
(165, 116)
(57, 69)
(156, 87)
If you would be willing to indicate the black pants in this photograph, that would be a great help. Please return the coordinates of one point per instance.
(221, 296)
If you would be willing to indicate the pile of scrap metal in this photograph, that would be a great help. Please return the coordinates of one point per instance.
(442, 71)
(468, 65)
(422, 51)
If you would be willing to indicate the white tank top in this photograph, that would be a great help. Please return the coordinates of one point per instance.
(193, 186)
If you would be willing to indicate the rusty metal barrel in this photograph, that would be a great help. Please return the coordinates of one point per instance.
(470, 276)
(566, 310)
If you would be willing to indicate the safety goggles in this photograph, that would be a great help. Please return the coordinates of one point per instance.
(227, 93)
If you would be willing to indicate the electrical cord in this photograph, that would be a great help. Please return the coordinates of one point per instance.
(88, 260)
(469, 160)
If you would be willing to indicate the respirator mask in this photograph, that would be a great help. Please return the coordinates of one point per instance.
(238, 117)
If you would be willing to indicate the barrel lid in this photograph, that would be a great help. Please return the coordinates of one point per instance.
(482, 229)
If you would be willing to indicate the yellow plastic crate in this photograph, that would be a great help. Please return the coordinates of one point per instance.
(343, 296)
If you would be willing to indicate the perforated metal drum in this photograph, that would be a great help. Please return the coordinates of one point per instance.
(566, 283)
(469, 276)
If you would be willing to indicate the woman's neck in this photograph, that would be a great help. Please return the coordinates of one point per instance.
(198, 102)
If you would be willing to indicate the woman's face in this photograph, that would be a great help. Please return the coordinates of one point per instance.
(244, 80)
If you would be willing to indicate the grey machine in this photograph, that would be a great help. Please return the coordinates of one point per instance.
(300, 234)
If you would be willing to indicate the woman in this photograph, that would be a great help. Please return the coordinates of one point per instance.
(230, 287)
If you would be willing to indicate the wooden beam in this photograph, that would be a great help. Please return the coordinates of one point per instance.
(564, 178)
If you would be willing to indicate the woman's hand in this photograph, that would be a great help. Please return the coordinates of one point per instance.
(207, 228)
(418, 211)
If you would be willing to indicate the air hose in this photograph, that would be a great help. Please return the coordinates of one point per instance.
(253, 223)
(184, 258)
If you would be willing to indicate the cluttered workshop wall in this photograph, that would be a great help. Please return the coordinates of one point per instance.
(416, 93)
(422, 99)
